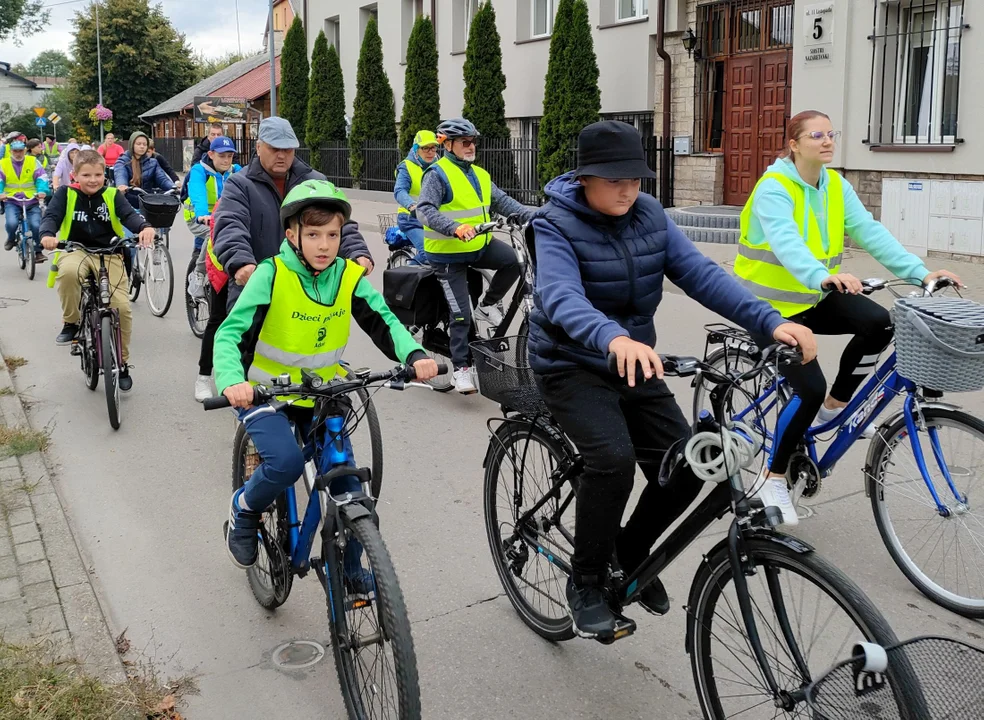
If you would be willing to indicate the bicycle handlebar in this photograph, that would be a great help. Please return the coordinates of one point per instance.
(397, 377)
(140, 191)
(871, 285)
(688, 366)
(117, 243)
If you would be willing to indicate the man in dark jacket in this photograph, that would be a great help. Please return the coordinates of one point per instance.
(603, 250)
(247, 222)
(202, 148)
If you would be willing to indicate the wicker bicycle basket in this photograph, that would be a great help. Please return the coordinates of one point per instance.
(159, 210)
(940, 342)
(504, 374)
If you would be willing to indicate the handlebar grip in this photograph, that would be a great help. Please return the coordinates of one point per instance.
(410, 373)
(216, 403)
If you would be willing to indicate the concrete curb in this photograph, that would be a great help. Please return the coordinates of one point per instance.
(55, 587)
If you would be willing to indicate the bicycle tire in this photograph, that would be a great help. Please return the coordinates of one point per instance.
(375, 441)
(878, 462)
(399, 258)
(557, 627)
(110, 368)
(713, 576)
(89, 357)
(30, 261)
(195, 307)
(719, 359)
(136, 280)
(275, 539)
(160, 306)
(21, 259)
(393, 626)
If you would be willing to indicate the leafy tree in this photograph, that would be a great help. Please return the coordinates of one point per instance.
(208, 66)
(484, 80)
(326, 106)
(144, 62)
(22, 18)
(571, 98)
(373, 114)
(293, 95)
(47, 63)
(421, 93)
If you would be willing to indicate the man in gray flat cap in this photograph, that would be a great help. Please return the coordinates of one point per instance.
(247, 218)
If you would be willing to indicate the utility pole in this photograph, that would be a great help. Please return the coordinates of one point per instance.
(99, 70)
(239, 38)
(271, 41)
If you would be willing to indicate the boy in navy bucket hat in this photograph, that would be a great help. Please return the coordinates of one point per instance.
(603, 249)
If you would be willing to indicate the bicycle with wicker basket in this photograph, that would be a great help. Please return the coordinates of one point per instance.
(924, 469)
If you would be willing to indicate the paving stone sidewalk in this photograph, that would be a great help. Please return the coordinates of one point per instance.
(45, 591)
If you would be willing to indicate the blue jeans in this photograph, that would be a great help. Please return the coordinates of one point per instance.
(199, 241)
(283, 463)
(12, 218)
(412, 228)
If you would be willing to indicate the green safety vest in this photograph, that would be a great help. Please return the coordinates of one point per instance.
(416, 178)
(51, 150)
(300, 332)
(211, 192)
(466, 207)
(760, 271)
(24, 183)
(109, 197)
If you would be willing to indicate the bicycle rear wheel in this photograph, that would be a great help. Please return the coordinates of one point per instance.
(270, 578)
(734, 360)
(374, 655)
(942, 556)
(825, 613)
(159, 280)
(30, 260)
(399, 258)
(445, 381)
(523, 461)
(198, 309)
(111, 370)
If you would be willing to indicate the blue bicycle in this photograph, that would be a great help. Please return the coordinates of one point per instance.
(367, 616)
(923, 466)
(25, 246)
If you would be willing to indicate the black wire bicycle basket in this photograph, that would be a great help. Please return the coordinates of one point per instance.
(159, 210)
(504, 374)
(932, 678)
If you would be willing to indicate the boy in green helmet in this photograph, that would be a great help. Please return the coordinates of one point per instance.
(296, 311)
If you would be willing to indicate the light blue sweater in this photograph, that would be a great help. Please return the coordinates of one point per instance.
(772, 218)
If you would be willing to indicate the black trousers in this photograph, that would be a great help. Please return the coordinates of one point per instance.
(608, 421)
(216, 314)
(837, 314)
(497, 256)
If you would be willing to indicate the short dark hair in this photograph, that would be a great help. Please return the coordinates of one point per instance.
(316, 217)
(87, 157)
(33, 143)
(49, 137)
(217, 125)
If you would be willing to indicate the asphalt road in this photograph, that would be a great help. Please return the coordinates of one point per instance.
(147, 504)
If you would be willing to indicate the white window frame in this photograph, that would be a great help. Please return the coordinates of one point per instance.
(333, 31)
(937, 66)
(641, 8)
(471, 10)
(551, 6)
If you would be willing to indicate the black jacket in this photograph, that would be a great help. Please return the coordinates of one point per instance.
(91, 226)
(201, 148)
(166, 166)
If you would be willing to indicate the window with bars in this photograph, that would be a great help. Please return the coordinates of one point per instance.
(915, 72)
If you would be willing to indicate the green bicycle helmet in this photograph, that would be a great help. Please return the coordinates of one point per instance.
(314, 192)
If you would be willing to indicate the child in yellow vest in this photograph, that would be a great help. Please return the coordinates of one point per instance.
(296, 311)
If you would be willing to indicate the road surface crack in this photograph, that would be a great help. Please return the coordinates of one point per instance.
(463, 607)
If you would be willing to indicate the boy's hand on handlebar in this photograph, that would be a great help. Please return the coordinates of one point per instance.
(49, 243)
(628, 353)
(939, 274)
(465, 232)
(798, 336)
(122, 188)
(145, 238)
(425, 369)
(843, 282)
(239, 395)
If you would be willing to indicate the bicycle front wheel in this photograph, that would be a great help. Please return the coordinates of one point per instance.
(21, 254)
(197, 308)
(159, 280)
(30, 260)
(111, 370)
(374, 655)
(942, 554)
(808, 615)
(136, 276)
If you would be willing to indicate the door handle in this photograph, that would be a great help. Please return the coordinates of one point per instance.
(903, 213)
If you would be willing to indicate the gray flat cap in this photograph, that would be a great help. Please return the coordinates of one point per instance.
(277, 132)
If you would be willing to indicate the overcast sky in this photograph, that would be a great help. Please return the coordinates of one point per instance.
(210, 27)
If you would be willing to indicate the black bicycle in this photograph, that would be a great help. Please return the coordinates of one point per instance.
(765, 613)
(152, 266)
(198, 300)
(415, 296)
(99, 342)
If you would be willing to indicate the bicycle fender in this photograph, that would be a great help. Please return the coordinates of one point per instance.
(721, 548)
(354, 511)
(882, 434)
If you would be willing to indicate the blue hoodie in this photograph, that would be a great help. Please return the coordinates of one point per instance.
(401, 191)
(195, 182)
(772, 218)
(599, 278)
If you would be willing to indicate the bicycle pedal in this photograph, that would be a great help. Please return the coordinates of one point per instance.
(624, 627)
(76, 349)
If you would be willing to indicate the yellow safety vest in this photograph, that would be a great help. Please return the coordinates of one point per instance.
(211, 193)
(24, 183)
(416, 178)
(300, 332)
(211, 253)
(466, 207)
(51, 150)
(760, 271)
(109, 197)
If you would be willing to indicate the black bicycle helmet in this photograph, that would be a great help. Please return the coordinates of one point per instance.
(456, 128)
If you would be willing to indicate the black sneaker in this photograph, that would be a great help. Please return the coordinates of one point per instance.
(125, 381)
(68, 333)
(653, 597)
(242, 536)
(9, 245)
(590, 612)
(39, 257)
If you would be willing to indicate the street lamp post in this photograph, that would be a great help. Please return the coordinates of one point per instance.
(273, 70)
(99, 70)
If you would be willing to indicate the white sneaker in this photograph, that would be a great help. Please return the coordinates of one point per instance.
(772, 492)
(492, 314)
(464, 383)
(203, 388)
(825, 415)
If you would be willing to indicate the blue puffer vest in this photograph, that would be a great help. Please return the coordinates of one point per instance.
(621, 264)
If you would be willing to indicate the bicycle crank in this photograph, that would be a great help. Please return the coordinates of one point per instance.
(803, 475)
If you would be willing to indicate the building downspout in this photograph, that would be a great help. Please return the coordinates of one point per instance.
(665, 156)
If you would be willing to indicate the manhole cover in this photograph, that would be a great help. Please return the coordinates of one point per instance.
(298, 654)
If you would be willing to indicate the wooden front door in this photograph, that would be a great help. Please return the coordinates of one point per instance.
(757, 96)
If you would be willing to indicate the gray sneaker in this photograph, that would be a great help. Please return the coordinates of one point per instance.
(464, 381)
